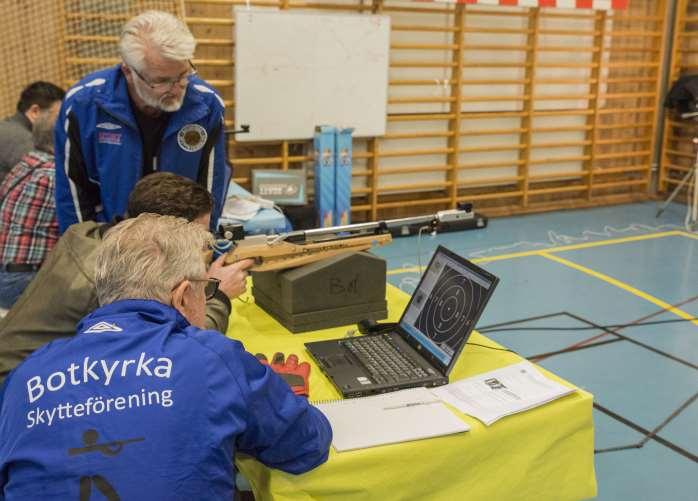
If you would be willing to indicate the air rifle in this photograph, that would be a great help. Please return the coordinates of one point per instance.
(296, 248)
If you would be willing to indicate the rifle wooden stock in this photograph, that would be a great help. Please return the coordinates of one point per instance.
(269, 255)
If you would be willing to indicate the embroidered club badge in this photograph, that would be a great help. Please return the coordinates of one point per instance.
(192, 137)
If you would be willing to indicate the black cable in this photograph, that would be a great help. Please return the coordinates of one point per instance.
(492, 347)
(486, 330)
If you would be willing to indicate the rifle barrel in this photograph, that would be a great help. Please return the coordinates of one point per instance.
(351, 228)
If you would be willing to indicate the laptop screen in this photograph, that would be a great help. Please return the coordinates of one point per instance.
(446, 306)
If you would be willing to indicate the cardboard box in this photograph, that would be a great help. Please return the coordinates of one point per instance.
(324, 143)
(342, 166)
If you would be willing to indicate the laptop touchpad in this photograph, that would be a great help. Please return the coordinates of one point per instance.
(337, 360)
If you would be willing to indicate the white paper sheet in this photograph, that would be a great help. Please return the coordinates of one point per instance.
(495, 394)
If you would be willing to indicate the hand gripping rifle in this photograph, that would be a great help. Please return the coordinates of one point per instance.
(296, 248)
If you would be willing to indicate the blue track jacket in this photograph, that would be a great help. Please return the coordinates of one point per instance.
(141, 405)
(99, 152)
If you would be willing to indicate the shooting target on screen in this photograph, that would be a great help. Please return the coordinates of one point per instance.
(451, 307)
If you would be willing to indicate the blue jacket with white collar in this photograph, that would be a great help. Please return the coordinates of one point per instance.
(99, 152)
(142, 405)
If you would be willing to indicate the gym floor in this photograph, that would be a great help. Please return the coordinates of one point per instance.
(591, 268)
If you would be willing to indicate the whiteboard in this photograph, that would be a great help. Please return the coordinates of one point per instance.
(297, 70)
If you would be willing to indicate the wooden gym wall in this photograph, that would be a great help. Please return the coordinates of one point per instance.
(514, 109)
(678, 150)
(61, 40)
(29, 50)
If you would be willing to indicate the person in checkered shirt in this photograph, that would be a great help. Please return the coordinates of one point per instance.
(28, 226)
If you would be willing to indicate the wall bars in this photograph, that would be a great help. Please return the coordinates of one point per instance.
(678, 150)
(513, 109)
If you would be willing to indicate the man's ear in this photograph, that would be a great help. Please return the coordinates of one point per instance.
(33, 112)
(128, 73)
(180, 299)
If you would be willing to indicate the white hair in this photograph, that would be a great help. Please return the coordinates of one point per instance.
(154, 29)
(147, 256)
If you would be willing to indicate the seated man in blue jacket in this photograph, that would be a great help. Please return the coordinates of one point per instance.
(143, 403)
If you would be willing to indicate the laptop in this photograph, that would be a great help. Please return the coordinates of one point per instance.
(424, 345)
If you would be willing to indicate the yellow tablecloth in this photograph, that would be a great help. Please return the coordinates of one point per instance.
(545, 453)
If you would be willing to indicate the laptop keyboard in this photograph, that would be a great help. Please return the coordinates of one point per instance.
(383, 360)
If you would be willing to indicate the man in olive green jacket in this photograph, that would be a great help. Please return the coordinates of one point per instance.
(63, 290)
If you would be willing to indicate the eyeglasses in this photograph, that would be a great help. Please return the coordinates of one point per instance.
(211, 286)
(167, 84)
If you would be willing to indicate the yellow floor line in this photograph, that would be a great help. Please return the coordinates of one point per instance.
(621, 285)
(689, 235)
(563, 248)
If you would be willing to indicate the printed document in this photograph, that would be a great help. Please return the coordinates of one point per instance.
(493, 395)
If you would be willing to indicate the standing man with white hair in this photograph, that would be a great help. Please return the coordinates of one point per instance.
(143, 403)
(149, 113)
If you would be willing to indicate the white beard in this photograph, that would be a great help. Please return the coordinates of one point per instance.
(158, 103)
(172, 106)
